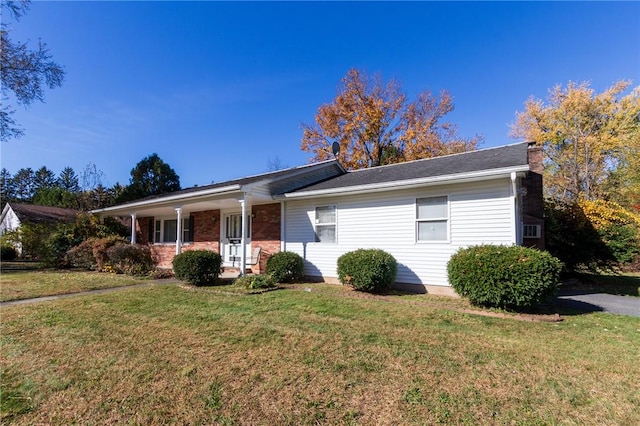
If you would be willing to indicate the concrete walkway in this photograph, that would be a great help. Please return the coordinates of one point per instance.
(168, 281)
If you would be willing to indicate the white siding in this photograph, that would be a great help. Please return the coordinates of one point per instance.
(480, 213)
(10, 222)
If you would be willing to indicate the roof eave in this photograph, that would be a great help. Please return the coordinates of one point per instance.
(157, 202)
(410, 183)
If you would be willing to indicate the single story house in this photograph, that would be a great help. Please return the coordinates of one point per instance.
(419, 211)
(15, 214)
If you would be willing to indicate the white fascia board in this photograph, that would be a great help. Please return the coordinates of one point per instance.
(411, 183)
(190, 196)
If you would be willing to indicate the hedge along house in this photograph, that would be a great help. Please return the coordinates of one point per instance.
(420, 211)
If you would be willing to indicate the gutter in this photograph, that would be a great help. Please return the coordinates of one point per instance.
(402, 184)
(169, 199)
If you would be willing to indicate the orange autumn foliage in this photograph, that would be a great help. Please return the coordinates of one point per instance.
(375, 124)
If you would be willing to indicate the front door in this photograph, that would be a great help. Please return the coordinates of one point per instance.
(232, 239)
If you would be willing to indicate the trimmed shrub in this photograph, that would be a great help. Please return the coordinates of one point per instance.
(197, 267)
(8, 252)
(130, 259)
(370, 270)
(285, 266)
(510, 277)
(255, 282)
(92, 253)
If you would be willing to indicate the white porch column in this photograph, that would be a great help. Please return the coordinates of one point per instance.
(179, 231)
(243, 240)
(133, 228)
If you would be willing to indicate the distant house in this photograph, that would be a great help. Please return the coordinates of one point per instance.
(420, 211)
(15, 215)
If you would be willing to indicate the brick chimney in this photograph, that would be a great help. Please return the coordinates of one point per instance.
(533, 200)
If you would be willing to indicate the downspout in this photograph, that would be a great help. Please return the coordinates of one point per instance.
(133, 228)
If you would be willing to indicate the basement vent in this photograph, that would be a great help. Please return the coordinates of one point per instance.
(531, 231)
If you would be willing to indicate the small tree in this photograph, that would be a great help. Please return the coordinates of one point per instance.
(375, 124)
(151, 176)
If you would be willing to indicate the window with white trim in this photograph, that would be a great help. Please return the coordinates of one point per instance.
(325, 224)
(432, 219)
(166, 230)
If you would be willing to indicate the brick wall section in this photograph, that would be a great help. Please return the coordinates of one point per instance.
(265, 233)
(206, 229)
(163, 254)
(533, 201)
(206, 236)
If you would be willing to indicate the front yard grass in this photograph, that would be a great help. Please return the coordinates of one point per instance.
(169, 355)
(17, 285)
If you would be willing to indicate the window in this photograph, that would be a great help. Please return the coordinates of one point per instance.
(432, 217)
(166, 230)
(234, 226)
(325, 226)
(531, 231)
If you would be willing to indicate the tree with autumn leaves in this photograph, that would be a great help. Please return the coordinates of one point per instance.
(375, 124)
(591, 141)
(591, 144)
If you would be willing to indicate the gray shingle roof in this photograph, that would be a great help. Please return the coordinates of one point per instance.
(43, 214)
(476, 161)
(278, 181)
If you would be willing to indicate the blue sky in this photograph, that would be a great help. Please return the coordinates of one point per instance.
(218, 90)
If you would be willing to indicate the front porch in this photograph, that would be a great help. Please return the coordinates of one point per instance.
(218, 230)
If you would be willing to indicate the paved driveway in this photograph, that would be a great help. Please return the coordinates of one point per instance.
(599, 302)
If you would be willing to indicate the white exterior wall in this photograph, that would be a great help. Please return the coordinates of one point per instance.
(10, 222)
(480, 212)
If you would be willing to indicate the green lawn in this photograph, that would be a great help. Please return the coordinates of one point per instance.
(172, 355)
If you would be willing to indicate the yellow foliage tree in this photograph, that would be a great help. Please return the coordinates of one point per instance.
(375, 124)
(590, 141)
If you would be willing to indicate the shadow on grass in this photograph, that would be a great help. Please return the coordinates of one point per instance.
(20, 265)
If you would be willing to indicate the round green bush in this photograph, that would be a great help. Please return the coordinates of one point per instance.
(197, 267)
(8, 253)
(285, 266)
(370, 270)
(510, 277)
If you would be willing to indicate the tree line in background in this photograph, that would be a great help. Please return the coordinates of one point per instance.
(87, 191)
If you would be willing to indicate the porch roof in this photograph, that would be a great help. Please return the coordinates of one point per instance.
(254, 189)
